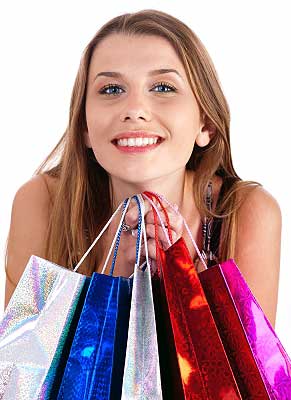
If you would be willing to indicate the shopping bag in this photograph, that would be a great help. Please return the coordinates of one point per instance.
(95, 364)
(141, 378)
(36, 324)
(171, 382)
(259, 362)
(204, 367)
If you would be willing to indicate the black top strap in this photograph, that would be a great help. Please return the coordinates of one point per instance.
(211, 228)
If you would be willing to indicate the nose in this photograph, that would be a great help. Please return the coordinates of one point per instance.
(135, 109)
(134, 116)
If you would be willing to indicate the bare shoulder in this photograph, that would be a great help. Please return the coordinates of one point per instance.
(258, 247)
(33, 199)
(28, 228)
(259, 203)
(259, 223)
(35, 187)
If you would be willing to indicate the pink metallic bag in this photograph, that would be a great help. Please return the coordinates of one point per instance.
(259, 361)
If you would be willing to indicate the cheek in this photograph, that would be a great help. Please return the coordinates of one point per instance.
(98, 129)
(184, 129)
(96, 118)
(185, 147)
(184, 116)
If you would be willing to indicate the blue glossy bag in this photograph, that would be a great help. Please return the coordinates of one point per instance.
(94, 368)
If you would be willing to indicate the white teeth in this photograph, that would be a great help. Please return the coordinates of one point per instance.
(138, 142)
(131, 142)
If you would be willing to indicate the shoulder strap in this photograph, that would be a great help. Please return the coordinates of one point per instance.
(217, 222)
(212, 227)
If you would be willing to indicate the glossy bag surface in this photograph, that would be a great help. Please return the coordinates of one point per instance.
(205, 372)
(141, 378)
(260, 363)
(100, 336)
(100, 362)
(204, 367)
(171, 382)
(95, 363)
(35, 327)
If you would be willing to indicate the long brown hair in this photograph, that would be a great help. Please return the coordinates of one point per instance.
(82, 202)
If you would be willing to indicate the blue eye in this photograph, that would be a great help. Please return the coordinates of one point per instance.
(111, 89)
(165, 85)
(110, 86)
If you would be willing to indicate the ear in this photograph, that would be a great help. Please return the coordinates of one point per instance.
(206, 132)
(87, 140)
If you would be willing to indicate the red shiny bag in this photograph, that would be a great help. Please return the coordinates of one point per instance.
(204, 369)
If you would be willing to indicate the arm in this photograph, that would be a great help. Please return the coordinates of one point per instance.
(258, 246)
(28, 226)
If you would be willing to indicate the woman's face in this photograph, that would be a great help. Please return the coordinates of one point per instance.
(160, 105)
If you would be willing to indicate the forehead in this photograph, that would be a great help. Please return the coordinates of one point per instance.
(119, 52)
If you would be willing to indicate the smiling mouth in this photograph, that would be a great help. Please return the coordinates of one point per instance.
(137, 143)
(137, 146)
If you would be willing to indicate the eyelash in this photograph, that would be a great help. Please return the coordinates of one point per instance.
(110, 85)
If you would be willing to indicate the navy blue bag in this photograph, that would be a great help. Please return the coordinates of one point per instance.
(94, 368)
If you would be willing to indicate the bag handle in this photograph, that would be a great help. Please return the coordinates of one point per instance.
(150, 197)
(159, 198)
(143, 227)
(125, 204)
(116, 240)
(147, 261)
(168, 234)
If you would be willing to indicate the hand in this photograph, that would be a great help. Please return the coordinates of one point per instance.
(131, 219)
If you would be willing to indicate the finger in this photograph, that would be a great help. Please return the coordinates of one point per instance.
(150, 219)
(151, 249)
(130, 254)
(169, 211)
(150, 231)
(131, 216)
(176, 221)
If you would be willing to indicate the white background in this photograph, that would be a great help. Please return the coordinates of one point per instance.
(249, 42)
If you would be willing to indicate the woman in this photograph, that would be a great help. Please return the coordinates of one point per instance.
(147, 113)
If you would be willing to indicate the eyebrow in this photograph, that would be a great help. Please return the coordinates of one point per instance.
(113, 74)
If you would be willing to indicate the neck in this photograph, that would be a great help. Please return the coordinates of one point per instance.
(176, 188)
